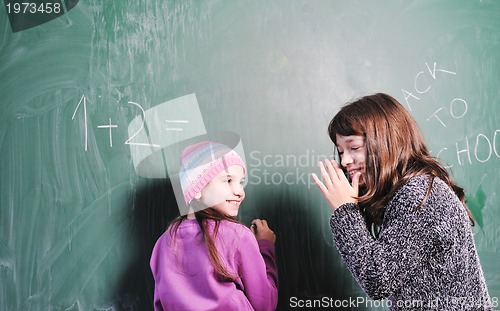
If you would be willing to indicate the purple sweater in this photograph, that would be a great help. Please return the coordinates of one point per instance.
(185, 278)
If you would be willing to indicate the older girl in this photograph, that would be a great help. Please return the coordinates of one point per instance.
(402, 225)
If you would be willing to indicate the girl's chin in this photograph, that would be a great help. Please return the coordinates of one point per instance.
(361, 180)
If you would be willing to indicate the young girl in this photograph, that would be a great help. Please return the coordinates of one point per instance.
(402, 226)
(207, 260)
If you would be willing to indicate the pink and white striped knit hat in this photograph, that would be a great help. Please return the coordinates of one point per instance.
(201, 162)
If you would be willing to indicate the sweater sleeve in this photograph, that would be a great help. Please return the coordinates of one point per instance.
(381, 266)
(267, 251)
(258, 272)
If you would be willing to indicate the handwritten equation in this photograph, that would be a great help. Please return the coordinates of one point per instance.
(170, 125)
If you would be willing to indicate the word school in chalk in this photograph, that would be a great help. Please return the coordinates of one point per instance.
(473, 151)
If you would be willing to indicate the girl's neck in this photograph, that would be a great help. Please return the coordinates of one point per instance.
(190, 214)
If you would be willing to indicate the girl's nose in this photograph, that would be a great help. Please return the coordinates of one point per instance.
(346, 160)
(238, 189)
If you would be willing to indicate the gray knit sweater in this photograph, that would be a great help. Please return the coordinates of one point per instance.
(424, 259)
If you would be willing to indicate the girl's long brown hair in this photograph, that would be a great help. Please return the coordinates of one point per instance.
(203, 215)
(395, 150)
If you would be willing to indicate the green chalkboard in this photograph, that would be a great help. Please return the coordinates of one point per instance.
(84, 93)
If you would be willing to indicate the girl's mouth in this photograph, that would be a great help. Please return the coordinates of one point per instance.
(352, 172)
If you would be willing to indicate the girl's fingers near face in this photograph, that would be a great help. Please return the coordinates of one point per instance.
(326, 178)
(318, 183)
(339, 170)
(331, 170)
(334, 170)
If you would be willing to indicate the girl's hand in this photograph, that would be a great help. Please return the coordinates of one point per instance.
(261, 230)
(336, 187)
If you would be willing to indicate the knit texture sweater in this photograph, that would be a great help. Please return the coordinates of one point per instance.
(185, 278)
(424, 258)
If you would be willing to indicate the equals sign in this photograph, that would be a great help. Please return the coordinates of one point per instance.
(176, 122)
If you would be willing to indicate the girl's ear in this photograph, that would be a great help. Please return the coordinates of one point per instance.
(197, 196)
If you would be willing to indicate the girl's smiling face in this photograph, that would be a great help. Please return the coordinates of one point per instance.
(224, 192)
(352, 154)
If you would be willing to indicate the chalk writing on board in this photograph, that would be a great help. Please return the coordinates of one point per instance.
(457, 108)
(453, 110)
(180, 129)
(128, 142)
(417, 85)
(111, 126)
(481, 142)
(84, 100)
(480, 147)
